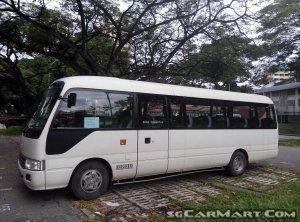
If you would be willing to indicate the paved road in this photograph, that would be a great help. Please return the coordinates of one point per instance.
(19, 204)
(288, 157)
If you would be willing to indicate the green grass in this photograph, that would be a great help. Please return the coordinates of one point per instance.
(284, 198)
(289, 142)
(11, 131)
(289, 128)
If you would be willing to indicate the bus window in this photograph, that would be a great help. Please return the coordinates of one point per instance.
(240, 117)
(219, 116)
(122, 110)
(152, 112)
(177, 114)
(266, 116)
(96, 109)
(197, 111)
(37, 122)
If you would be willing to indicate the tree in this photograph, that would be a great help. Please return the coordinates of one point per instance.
(154, 33)
(280, 24)
(295, 66)
(95, 38)
(224, 63)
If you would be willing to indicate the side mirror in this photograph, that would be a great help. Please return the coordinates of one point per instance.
(72, 99)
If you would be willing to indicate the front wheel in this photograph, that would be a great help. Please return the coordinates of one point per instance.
(89, 180)
(237, 164)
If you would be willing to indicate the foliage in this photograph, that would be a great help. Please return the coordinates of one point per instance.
(280, 22)
(11, 131)
(290, 142)
(251, 201)
(224, 63)
(90, 37)
(295, 66)
(153, 31)
(289, 128)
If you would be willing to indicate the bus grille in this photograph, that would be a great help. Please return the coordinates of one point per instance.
(22, 161)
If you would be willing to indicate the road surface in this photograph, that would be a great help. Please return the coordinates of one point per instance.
(18, 203)
(288, 157)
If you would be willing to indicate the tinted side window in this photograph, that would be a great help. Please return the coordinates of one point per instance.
(177, 114)
(198, 113)
(152, 112)
(266, 116)
(121, 110)
(96, 109)
(242, 117)
(219, 115)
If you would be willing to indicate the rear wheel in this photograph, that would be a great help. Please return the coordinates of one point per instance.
(237, 164)
(89, 180)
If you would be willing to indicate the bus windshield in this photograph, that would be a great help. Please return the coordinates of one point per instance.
(39, 118)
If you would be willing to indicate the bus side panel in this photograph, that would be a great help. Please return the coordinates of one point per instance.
(214, 148)
(106, 145)
(268, 148)
(208, 148)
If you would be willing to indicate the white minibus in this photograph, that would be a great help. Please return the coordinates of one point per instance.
(88, 132)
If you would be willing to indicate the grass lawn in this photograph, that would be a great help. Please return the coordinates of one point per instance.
(281, 197)
(289, 128)
(11, 131)
(285, 197)
(289, 142)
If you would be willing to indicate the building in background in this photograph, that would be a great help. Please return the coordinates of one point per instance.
(278, 76)
(286, 98)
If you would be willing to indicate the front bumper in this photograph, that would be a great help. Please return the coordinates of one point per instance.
(35, 180)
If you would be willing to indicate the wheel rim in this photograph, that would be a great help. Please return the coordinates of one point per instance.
(238, 164)
(91, 181)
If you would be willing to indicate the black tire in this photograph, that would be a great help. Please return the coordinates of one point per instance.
(237, 164)
(90, 180)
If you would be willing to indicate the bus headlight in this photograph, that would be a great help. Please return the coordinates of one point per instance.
(34, 165)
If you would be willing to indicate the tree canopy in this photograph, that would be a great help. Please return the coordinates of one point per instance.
(280, 27)
(223, 63)
(178, 41)
(143, 41)
(149, 34)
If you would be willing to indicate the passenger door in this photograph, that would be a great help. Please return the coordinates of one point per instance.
(153, 135)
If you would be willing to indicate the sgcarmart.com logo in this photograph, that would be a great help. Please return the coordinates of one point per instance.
(275, 214)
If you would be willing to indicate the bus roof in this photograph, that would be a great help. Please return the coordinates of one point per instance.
(124, 85)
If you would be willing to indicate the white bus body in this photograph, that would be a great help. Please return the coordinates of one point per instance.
(166, 129)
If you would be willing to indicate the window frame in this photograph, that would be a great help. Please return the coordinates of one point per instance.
(138, 113)
(134, 125)
(169, 109)
(135, 111)
(228, 103)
